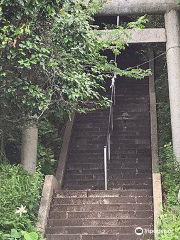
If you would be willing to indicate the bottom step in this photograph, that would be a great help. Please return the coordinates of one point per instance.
(98, 237)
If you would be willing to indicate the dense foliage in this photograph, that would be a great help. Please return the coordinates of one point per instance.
(51, 59)
(50, 55)
(18, 188)
(170, 218)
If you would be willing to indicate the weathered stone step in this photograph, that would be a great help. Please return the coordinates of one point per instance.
(94, 140)
(115, 142)
(131, 136)
(122, 101)
(118, 182)
(83, 177)
(92, 230)
(132, 121)
(121, 114)
(110, 186)
(105, 207)
(86, 153)
(114, 160)
(88, 158)
(110, 177)
(102, 200)
(74, 166)
(100, 124)
(97, 237)
(100, 222)
(89, 135)
(133, 130)
(127, 109)
(123, 136)
(129, 146)
(129, 154)
(115, 145)
(99, 128)
(128, 214)
(87, 118)
(119, 152)
(114, 171)
(119, 165)
(125, 127)
(131, 117)
(104, 193)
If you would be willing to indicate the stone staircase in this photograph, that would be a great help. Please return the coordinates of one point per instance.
(99, 215)
(83, 210)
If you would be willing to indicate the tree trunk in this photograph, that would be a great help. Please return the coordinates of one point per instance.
(29, 147)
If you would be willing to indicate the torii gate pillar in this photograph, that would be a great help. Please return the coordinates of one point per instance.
(172, 24)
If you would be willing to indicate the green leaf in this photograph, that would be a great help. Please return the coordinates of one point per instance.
(15, 233)
(30, 236)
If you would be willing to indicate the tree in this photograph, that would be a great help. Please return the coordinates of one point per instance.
(50, 59)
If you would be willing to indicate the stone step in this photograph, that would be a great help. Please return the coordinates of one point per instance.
(98, 139)
(100, 222)
(102, 200)
(87, 118)
(120, 136)
(92, 230)
(118, 182)
(114, 155)
(120, 165)
(121, 117)
(133, 130)
(130, 136)
(123, 146)
(114, 171)
(86, 153)
(114, 160)
(104, 193)
(101, 208)
(116, 141)
(110, 177)
(110, 186)
(114, 214)
(77, 177)
(87, 128)
(99, 145)
(119, 152)
(97, 237)
(121, 101)
(127, 127)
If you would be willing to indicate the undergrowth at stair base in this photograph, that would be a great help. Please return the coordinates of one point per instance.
(19, 190)
(170, 217)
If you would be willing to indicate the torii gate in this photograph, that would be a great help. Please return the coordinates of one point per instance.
(170, 35)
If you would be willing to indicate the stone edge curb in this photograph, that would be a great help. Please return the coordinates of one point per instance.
(64, 150)
(50, 185)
